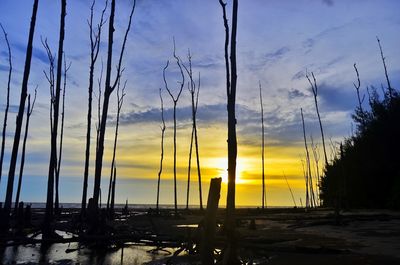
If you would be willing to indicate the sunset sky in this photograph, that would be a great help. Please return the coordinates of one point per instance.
(277, 42)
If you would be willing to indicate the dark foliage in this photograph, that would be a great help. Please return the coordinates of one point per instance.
(366, 174)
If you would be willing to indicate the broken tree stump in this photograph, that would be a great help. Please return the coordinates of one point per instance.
(210, 223)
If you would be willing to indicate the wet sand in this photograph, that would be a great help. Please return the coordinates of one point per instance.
(273, 236)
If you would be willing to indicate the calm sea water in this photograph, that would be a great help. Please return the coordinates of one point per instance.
(141, 206)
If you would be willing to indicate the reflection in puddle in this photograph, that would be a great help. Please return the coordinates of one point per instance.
(74, 253)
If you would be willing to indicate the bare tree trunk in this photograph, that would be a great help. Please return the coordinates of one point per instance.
(57, 200)
(307, 156)
(162, 152)
(108, 89)
(95, 37)
(230, 255)
(111, 210)
(314, 89)
(175, 101)
(120, 99)
(316, 161)
(3, 139)
(306, 182)
(53, 154)
(193, 90)
(189, 167)
(20, 116)
(311, 185)
(264, 197)
(21, 168)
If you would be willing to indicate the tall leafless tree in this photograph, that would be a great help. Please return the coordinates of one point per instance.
(120, 101)
(111, 210)
(307, 154)
(162, 151)
(230, 256)
(264, 197)
(108, 89)
(20, 115)
(308, 181)
(316, 157)
(3, 139)
(303, 162)
(175, 101)
(22, 164)
(95, 37)
(58, 169)
(314, 89)
(194, 93)
(53, 153)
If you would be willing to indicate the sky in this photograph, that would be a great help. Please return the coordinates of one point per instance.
(277, 43)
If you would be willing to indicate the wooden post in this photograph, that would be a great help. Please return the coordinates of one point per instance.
(209, 222)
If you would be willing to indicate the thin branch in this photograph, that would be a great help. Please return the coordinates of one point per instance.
(385, 68)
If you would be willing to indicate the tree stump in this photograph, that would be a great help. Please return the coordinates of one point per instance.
(209, 223)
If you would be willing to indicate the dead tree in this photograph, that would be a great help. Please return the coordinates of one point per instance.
(108, 89)
(390, 89)
(175, 101)
(194, 92)
(111, 210)
(57, 179)
(308, 181)
(21, 167)
(162, 152)
(316, 157)
(95, 37)
(20, 115)
(99, 81)
(3, 139)
(53, 153)
(314, 89)
(230, 255)
(264, 197)
(120, 99)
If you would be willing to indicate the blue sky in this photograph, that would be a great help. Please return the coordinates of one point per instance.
(278, 41)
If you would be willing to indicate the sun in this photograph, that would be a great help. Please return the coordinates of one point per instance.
(223, 170)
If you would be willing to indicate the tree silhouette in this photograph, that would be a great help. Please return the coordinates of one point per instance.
(194, 92)
(371, 152)
(47, 230)
(314, 89)
(162, 151)
(3, 138)
(29, 111)
(230, 255)
(111, 187)
(108, 89)
(20, 116)
(264, 196)
(175, 102)
(58, 169)
(95, 37)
